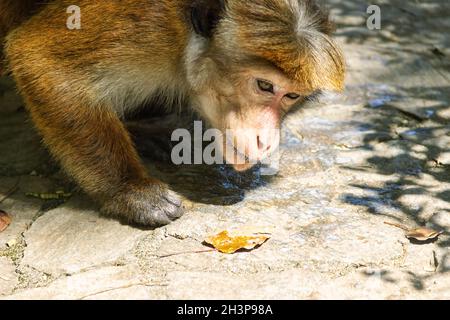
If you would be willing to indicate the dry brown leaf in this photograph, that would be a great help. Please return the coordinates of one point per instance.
(231, 241)
(423, 234)
(5, 220)
(419, 234)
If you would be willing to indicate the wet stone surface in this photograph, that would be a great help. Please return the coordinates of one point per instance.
(380, 152)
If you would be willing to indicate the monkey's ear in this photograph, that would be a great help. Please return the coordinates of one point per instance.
(205, 14)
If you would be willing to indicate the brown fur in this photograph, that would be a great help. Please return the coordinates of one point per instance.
(12, 14)
(267, 29)
(79, 83)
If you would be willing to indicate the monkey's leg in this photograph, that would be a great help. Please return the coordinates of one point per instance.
(94, 147)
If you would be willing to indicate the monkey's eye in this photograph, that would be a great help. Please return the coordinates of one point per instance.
(293, 96)
(265, 86)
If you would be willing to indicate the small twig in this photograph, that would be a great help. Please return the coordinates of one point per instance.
(397, 225)
(187, 252)
(123, 287)
(11, 191)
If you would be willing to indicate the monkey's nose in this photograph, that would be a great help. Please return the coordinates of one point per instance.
(262, 145)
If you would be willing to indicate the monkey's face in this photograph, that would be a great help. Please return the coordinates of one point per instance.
(242, 63)
(247, 105)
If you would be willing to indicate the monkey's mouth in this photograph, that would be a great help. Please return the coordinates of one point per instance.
(243, 167)
(238, 159)
(247, 163)
(245, 148)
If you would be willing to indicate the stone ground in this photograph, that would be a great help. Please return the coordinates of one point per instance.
(381, 152)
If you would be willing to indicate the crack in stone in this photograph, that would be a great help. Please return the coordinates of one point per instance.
(123, 287)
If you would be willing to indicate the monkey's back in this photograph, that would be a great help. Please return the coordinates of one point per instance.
(109, 28)
(123, 51)
(14, 12)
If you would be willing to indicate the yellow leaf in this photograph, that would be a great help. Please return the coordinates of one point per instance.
(230, 242)
(5, 220)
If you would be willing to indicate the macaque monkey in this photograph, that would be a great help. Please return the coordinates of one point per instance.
(238, 64)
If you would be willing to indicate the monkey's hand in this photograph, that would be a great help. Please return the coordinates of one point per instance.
(147, 203)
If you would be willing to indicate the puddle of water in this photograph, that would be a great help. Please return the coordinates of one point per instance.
(364, 127)
(430, 113)
(320, 123)
(422, 133)
(410, 133)
(379, 102)
(289, 140)
(332, 238)
(299, 238)
(377, 95)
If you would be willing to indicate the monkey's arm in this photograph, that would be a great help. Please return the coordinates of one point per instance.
(95, 149)
(82, 129)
